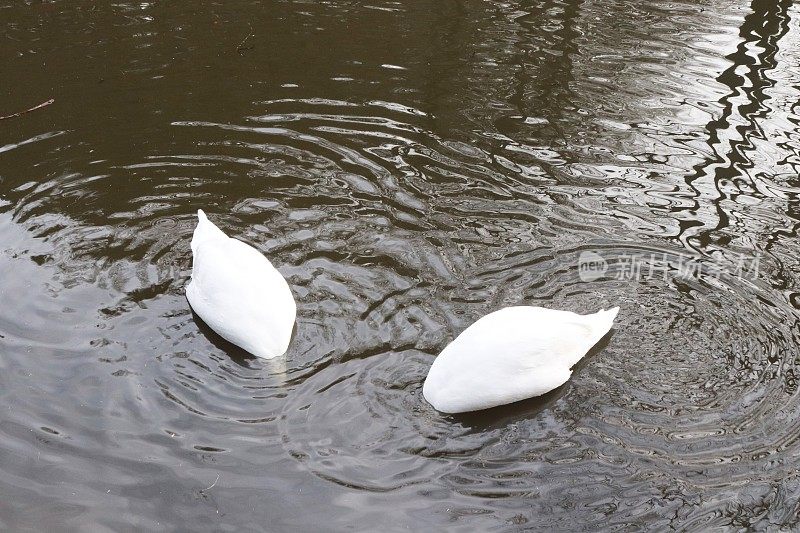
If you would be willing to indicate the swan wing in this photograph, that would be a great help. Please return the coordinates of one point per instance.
(239, 294)
(510, 355)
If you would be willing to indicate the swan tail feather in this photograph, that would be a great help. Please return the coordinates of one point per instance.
(610, 315)
(604, 321)
(205, 230)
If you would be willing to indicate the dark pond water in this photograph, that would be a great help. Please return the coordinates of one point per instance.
(409, 167)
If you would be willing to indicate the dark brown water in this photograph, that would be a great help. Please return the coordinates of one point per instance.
(409, 167)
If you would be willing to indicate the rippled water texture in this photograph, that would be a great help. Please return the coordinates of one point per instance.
(409, 167)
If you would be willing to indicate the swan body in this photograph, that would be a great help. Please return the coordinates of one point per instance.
(238, 293)
(510, 355)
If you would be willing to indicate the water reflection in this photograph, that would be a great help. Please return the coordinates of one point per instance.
(734, 134)
(408, 167)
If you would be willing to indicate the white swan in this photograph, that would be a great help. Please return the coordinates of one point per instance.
(510, 355)
(238, 293)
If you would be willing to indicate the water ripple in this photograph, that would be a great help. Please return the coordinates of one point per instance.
(408, 169)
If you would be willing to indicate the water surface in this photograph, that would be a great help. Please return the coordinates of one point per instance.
(408, 167)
